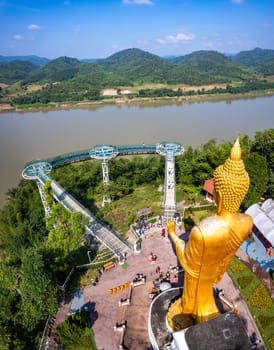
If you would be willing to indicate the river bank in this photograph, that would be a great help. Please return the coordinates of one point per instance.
(135, 101)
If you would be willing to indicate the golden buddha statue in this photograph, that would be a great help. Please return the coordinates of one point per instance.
(211, 246)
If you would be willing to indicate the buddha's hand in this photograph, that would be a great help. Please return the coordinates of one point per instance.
(171, 227)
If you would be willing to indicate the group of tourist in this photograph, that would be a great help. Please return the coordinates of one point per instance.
(152, 258)
(142, 226)
(164, 280)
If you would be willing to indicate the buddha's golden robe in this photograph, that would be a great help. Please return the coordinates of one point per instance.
(212, 244)
(205, 258)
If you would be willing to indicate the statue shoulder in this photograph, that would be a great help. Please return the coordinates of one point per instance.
(246, 220)
(244, 223)
(196, 233)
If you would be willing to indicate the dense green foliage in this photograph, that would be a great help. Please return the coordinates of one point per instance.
(160, 92)
(84, 180)
(206, 67)
(37, 254)
(195, 166)
(34, 258)
(76, 331)
(139, 66)
(264, 145)
(15, 71)
(62, 68)
(27, 289)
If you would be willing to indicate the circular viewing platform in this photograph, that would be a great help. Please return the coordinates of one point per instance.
(170, 148)
(103, 152)
(36, 170)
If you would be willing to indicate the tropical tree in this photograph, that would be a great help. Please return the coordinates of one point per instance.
(71, 329)
(66, 236)
(38, 294)
(256, 166)
(264, 145)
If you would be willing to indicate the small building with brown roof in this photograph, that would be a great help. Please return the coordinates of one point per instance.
(208, 189)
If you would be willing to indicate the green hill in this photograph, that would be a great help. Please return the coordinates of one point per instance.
(15, 71)
(261, 60)
(71, 70)
(206, 67)
(59, 69)
(36, 60)
(139, 66)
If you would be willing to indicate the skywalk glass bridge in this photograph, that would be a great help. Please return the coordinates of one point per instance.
(39, 170)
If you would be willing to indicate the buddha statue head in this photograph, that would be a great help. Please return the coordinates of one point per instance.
(231, 181)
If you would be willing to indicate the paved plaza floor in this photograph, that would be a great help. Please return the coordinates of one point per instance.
(104, 308)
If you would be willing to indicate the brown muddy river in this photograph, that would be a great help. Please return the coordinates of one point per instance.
(25, 136)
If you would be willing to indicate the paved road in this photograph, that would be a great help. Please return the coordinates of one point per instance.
(105, 310)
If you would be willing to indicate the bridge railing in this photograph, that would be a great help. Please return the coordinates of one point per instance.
(69, 201)
(69, 158)
(137, 149)
(62, 159)
(96, 226)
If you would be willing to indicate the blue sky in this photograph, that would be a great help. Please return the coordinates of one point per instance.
(99, 28)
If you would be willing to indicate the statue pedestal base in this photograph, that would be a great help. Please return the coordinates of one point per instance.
(224, 332)
(176, 319)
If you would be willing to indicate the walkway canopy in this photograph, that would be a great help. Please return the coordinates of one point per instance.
(263, 218)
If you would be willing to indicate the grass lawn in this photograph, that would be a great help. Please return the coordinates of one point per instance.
(122, 212)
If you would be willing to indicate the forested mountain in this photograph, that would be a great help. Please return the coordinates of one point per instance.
(67, 68)
(206, 67)
(59, 69)
(137, 65)
(89, 60)
(15, 71)
(198, 57)
(37, 60)
(261, 60)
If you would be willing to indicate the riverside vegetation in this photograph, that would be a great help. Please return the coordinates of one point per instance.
(133, 75)
(37, 253)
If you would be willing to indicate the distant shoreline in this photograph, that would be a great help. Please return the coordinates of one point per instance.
(143, 101)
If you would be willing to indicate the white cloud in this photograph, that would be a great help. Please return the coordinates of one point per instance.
(173, 39)
(18, 37)
(138, 2)
(34, 27)
(237, 1)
